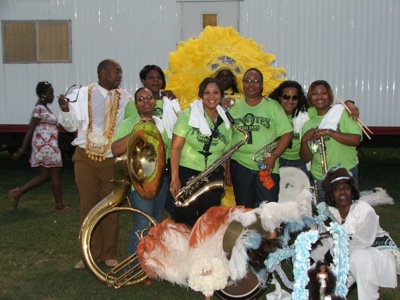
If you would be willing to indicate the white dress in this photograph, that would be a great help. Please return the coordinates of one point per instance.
(371, 267)
(45, 150)
(322, 281)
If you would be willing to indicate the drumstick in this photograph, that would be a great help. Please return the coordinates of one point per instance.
(358, 119)
(359, 122)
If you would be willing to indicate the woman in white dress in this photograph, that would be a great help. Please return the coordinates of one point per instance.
(42, 134)
(373, 254)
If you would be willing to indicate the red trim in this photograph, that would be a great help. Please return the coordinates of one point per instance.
(14, 128)
(378, 130)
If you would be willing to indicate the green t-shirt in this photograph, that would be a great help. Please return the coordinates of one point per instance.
(264, 122)
(292, 152)
(336, 153)
(195, 141)
(126, 127)
(131, 110)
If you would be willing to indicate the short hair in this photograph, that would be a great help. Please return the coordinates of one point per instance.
(256, 70)
(103, 65)
(302, 105)
(137, 92)
(42, 87)
(146, 69)
(316, 83)
(208, 80)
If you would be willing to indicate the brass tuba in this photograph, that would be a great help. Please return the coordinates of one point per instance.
(143, 166)
(200, 184)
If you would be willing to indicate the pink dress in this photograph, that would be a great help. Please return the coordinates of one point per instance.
(45, 150)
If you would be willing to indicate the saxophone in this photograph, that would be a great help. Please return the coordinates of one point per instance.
(201, 184)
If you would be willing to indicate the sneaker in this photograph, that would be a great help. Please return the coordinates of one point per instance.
(111, 263)
(79, 265)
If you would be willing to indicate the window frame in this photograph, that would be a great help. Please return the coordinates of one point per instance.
(41, 29)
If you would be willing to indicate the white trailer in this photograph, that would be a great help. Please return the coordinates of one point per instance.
(351, 44)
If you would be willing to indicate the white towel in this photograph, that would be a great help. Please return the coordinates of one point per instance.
(198, 120)
(159, 124)
(80, 107)
(332, 118)
(171, 109)
(299, 121)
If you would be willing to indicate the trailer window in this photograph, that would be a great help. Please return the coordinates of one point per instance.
(37, 41)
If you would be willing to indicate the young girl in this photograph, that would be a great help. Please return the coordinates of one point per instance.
(46, 155)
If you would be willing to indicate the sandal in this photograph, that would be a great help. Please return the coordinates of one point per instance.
(14, 195)
(62, 208)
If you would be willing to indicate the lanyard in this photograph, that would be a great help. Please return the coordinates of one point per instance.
(206, 149)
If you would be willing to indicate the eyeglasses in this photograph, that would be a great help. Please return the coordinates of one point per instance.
(248, 81)
(149, 97)
(288, 97)
(77, 94)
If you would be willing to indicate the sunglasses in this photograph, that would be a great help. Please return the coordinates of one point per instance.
(66, 93)
(288, 97)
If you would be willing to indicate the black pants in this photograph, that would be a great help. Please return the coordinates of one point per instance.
(189, 215)
(248, 189)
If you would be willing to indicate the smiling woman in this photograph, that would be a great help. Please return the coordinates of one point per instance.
(291, 96)
(265, 121)
(154, 206)
(372, 252)
(201, 135)
(338, 131)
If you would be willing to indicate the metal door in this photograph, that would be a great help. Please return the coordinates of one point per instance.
(195, 15)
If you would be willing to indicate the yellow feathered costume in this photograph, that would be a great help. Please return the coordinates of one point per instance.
(218, 48)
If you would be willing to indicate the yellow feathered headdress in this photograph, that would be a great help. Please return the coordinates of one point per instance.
(217, 48)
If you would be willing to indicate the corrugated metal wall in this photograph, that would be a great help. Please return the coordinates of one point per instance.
(134, 32)
(353, 44)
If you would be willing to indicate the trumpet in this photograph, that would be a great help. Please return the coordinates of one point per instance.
(264, 153)
(322, 154)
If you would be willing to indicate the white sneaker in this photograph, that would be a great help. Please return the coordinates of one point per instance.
(111, 263)
(79, 265)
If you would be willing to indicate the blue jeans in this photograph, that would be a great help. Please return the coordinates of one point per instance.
(298, 163)
(321, 192)
(248, 189)
(153, 208)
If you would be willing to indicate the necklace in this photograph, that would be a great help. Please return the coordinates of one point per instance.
(98, 146)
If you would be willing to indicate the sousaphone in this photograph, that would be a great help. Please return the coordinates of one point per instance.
(143, 166)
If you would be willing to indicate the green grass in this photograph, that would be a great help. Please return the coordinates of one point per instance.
(39, 246)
